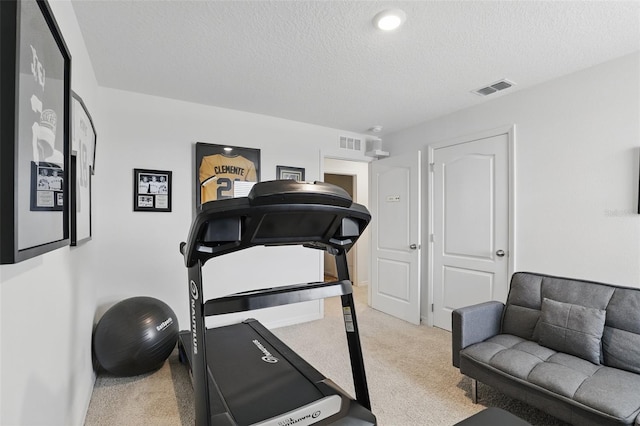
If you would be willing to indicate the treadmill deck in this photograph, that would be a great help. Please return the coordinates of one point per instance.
(266, 383)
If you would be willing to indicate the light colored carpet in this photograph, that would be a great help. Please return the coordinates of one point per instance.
(409, 372)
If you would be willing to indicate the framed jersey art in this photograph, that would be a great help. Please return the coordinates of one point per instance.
(224, 171)
(35, 131)
(83, 154)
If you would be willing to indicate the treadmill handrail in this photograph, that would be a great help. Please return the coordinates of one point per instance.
(276, 296)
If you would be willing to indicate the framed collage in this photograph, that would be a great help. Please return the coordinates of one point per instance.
(151, 190)
(290, 173)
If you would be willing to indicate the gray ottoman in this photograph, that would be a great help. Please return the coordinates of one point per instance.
(493, 416)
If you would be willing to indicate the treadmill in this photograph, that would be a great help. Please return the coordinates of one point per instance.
(242, 374)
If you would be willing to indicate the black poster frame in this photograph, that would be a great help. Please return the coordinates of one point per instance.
(27, 232)
(152, 190)
(244, 161)
(290, 173)
(83, 157)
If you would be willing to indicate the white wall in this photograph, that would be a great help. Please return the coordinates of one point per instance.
(577, 154)
(47, 303)
(139, 250)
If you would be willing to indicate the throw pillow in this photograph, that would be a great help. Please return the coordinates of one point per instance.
(572, 329)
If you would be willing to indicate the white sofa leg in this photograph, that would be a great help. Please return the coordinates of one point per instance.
(474, 391)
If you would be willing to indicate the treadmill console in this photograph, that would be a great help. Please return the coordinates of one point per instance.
(290, 191)
(282, 212)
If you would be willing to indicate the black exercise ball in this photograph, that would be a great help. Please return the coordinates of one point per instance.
(135, 336)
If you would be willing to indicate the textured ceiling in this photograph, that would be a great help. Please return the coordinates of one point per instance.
(322, 62)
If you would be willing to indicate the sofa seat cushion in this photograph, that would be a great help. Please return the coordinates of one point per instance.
(609, 391)
(612, 391)
(562, 374)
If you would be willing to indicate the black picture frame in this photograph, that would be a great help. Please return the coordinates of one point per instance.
(35, 81)
(83, 154)
(290, 173)
(151, 190)
(219, 168)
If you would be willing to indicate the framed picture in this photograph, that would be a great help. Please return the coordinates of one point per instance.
(224, 171)
(289, 173)
(35, 129)
(151, 190)
(83, 149)
(47, 187)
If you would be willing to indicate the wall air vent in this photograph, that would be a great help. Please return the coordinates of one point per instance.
(350, 143)
(494, 87)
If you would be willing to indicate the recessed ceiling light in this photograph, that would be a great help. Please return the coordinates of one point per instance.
(389, 20)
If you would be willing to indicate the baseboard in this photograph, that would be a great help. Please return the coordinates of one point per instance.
(293, 320)
(81, 416)
(279, 316)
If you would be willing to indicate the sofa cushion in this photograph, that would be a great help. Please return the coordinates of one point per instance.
(511, 354)
(621, 349)
(579, 292)
(520, 321)
(611, 392)
(573, 329)
(562, 374)
(621, 338)
(522, 310)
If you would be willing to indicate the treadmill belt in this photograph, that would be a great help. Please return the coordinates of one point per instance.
(256, 380)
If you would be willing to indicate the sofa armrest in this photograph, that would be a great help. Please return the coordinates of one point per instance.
(473, 324)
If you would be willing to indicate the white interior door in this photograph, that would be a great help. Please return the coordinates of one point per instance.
(470, 225)
(395, 235)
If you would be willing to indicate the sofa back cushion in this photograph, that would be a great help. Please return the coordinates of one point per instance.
(523, 306)
(621, 336)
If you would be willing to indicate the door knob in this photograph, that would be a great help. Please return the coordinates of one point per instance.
(413, 246)
(500, 253)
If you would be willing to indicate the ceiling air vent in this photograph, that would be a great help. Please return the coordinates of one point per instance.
(350, 143)
(494, 87)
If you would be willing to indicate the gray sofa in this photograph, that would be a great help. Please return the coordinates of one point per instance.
(568, 347)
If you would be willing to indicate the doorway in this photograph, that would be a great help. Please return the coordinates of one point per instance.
(353, 177)
(347, 183)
